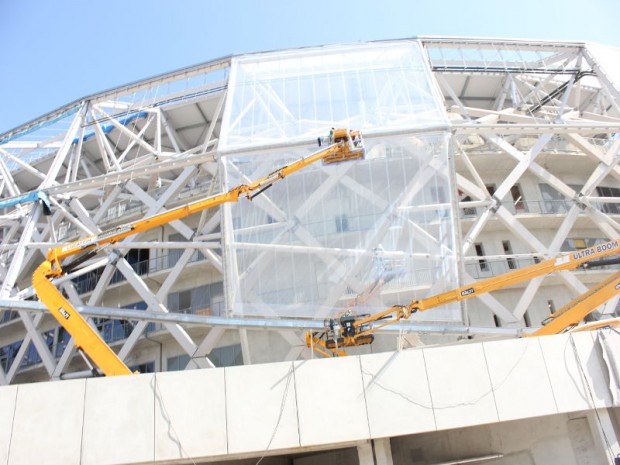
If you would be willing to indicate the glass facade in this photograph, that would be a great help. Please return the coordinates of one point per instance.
(366, 234)
(290, 96)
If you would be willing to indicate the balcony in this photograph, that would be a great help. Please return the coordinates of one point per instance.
(482, 268)
(87, 282)
(541, 207)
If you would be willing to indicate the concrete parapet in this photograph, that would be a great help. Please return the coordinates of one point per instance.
(292, 407)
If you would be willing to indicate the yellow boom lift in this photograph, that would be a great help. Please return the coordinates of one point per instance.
(351, 330)
(341, 145)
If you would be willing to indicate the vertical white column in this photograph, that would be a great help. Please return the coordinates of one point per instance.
(604, 434)
(383, 451)
(364, 452)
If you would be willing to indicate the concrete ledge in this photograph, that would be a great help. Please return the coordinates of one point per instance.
(261, 408)
(397, 383)
(289, 407)
(119, 420)
(331, 401)
(48, 420)
(8, 400)
(190, 414)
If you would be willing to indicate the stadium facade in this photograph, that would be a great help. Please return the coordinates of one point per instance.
(482, 156)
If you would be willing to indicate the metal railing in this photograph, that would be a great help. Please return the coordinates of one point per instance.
(541, 207)
(484, 268)
(489, 268)
(87, 282)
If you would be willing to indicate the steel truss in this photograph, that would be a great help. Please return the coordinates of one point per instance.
(149, 146)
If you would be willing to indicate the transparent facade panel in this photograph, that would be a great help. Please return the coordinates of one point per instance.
(296, 95)
(364, 235)
(38, 142)
(367, 234)
(172, 90)
(499, 57)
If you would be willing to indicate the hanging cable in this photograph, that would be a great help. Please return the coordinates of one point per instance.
(585, 380)
(172, 433)
(282, 405)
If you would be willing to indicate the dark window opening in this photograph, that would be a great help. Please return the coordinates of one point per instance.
(342, 223)
(612, 208)
(148, 367)
(484, 265)
(508, 251)
(177, 363)
(517, 198)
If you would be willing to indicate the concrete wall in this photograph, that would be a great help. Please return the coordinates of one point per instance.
(559, 439)
(293, 407)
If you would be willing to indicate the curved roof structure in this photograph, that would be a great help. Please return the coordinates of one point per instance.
(454, 126)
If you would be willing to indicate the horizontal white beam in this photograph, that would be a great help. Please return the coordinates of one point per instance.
(565, 128)
(130, 245)
(252, 323)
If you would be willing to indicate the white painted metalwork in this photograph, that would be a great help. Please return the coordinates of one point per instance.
(526, 132)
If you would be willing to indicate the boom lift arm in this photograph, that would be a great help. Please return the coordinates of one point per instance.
(342, 145)
(349, 330)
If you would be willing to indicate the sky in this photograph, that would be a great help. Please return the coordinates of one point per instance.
(55, 52)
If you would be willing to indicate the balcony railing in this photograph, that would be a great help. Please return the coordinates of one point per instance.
(88, 282)
(484, 268)
(131, 207)
(541, 207)
(489, 268)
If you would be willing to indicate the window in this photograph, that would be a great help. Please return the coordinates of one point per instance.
(8, 315)
(8, 353)
(148, 367)
(508, 251)
(612, 208)
(32, 356)
(468, 211)
(177, 363)
(129, 325)
(484, 265)
(180, 301)
(553, 201)
(87, 282)
(139, 260)
(113, 330)
(438, 194)
(578, 243)
(342, 223)
(517, 198)
(62, 339)
(217, 305)
(227, 356)
(200, 300)
(175, 254)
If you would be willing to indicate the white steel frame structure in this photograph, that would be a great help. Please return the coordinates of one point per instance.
(520, 138)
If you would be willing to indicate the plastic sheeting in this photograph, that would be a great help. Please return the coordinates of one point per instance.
(366, 234)
(297, 95)
(609, 349)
